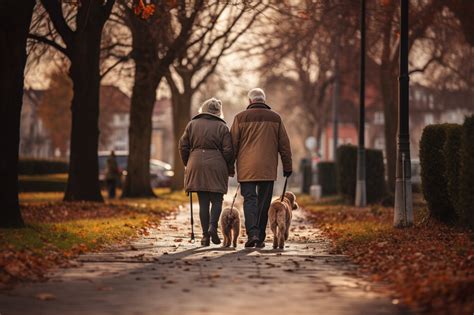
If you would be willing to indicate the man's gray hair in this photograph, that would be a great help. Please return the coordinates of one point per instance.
(256, 95)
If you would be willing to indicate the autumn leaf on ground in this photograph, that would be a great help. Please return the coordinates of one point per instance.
(45, 296)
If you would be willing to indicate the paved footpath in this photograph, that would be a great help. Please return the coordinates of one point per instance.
(165, 274)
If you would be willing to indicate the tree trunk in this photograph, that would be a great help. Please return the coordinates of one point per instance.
(83, 180)
(389, 88)
(137, 182)
(147, 79)
(181, 115)
(13, 33)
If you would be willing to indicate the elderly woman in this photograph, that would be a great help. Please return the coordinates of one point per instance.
(207, 153)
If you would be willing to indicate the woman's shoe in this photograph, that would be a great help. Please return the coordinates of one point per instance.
(214, 236)
(205, 240)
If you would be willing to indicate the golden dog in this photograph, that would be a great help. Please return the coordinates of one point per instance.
(279, 216)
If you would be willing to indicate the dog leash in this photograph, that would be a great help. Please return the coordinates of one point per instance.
(235, 196)
(284, 189)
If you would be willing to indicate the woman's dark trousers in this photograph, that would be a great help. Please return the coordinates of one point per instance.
(206, 199)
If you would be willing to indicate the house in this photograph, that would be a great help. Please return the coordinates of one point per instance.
(427, 106)
(162, 140)
(114, 123)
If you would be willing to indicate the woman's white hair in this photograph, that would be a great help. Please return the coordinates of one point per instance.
(256, 95)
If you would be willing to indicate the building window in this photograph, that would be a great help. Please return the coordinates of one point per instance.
(379, 143)
(379, 119)
(116, 119)
(429, 119)
(417, 95)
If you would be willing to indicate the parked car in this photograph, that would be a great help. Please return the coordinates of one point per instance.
(161, 172)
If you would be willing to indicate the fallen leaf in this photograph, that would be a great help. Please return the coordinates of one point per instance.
(45, 296)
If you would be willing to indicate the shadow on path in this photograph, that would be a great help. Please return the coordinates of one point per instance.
(165, 274)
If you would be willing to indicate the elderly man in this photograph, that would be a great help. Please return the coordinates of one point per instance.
(258, 135)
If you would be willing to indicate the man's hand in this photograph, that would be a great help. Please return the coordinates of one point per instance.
(287, 174)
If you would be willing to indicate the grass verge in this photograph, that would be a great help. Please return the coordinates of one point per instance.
(57, 231)
(429, 267)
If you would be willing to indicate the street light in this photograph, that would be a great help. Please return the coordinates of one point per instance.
(403, 214)
(361, 194)
(335, 105)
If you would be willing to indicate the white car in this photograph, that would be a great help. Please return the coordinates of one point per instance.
(161, 172)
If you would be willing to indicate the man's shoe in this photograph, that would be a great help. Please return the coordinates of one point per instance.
(251, 242)
(260, 245)
(214, 236)
(205, 240)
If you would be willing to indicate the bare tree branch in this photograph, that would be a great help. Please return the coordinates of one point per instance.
(49, 42)
(427, 64)
(56, 15)
(115, 64)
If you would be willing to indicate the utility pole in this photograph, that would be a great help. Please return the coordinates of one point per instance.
(361, 193)
(403, 214)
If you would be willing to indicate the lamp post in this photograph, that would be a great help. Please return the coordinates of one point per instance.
(403, 214)
(361, 194)
(335, 103)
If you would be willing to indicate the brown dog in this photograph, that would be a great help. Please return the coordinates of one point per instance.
(279, 216)
(230, 224)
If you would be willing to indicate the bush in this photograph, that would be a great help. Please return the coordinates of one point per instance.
(327, 178)
(41, 166)
(452, 160)
(433, 180)
(42, 183)
(375, 175)
(347, 168)
(466, 178)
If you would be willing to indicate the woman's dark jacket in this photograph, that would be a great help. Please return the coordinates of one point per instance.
(207, 152)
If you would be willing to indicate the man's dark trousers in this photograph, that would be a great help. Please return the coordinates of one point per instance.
(257, 199)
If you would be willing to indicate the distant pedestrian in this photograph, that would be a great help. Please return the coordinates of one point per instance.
(258, 135)
(112, 174)
(207, 153)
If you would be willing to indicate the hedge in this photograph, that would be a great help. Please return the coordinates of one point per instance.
(452, 160)
(434, 183)
(29, 166)
(42, 183)
(327, 178)
(466, 178)
(347, 168)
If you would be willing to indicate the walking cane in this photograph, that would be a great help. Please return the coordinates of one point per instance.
(190, 193)
(284, 189)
